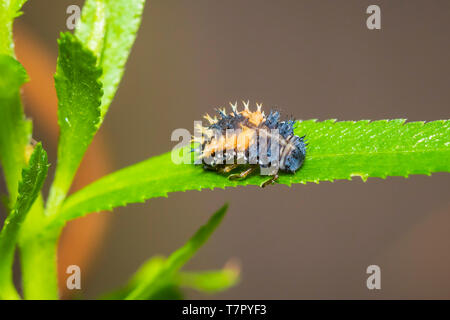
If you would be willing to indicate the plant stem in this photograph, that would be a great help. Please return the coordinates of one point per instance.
(56, 197)
(8, 239)
(39, 266)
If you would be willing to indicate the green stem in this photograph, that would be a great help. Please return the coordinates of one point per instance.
(39, 266)
(55, 199)
(8, 238)
(58, 190)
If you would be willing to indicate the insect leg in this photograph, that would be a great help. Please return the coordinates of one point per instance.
(243, 174)
(229, 168)
(271, 180)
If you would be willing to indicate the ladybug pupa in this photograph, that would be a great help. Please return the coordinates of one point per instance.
(246, 141)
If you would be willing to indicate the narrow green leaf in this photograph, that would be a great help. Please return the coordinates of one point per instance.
(336, 150)
(204, 281)
(148, 287)
(146, 272)
(15, 130)
(109, 27)
(9, 10)
(33, 177)
(79, 94)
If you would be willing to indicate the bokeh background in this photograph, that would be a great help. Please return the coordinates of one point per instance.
(312, 59)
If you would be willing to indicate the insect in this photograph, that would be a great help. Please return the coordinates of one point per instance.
(236, 141)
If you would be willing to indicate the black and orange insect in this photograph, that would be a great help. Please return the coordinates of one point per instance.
(233, 141)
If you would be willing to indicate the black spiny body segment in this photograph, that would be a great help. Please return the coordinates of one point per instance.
(231, 142)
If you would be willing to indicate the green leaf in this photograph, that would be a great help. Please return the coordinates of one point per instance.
(96, 55)
(15, 130)
(79, 94)
(209, 281)
(159, 278)
(336, 150)
(109, 27)
(33, 177)
(146, 273)
(9, 10)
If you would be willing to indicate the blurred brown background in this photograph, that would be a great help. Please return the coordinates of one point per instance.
(312, 59)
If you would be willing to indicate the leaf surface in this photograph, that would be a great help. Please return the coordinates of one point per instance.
(79, 94)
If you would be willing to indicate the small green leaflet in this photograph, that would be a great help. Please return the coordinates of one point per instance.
(165, 274)
(336, 150)
(79, 94)
(211, 281)
(33, 177)
(145, 273)
(15, 129)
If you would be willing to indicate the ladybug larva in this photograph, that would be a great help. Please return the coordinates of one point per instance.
(249, 140)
